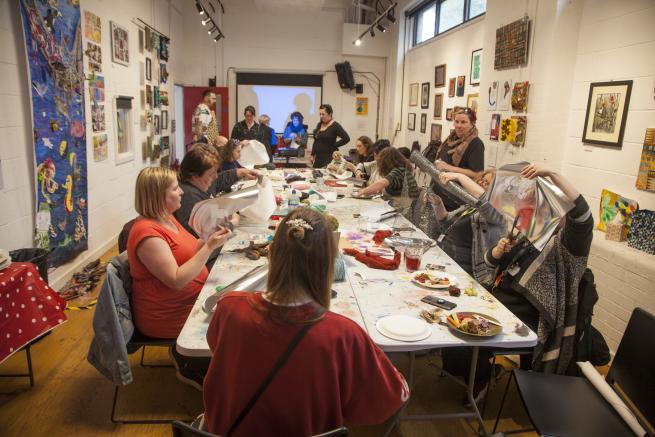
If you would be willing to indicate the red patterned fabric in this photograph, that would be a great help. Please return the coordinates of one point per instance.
(28, 307)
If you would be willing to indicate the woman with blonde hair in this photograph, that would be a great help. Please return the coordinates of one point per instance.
(167, 263)
(333, 371)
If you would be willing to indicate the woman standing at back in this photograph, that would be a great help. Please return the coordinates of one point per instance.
(335, 373)
(325, 137)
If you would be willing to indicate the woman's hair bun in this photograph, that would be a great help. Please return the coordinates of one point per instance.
(296, 232)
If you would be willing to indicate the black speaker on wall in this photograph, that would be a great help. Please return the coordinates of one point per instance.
(345, 75)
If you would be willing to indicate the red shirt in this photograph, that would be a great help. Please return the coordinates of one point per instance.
(335, 374)
(160, 311)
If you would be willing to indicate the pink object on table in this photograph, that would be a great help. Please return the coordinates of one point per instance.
(300, 185)
(28, 307)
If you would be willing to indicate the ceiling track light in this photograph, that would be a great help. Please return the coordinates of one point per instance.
(217, 37)
(205, 21)
(387, 14)
(212, 30)
(201, 11)
(372, 33)
(381, 28)
(390, 17)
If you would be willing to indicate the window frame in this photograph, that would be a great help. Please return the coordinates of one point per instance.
(416, 12)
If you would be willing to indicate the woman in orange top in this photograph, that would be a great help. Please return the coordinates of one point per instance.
(167, 263)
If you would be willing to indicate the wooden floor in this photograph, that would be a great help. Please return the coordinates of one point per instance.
(70, 398)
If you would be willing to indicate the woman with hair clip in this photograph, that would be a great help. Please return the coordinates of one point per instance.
(333, 372)
(462, 152)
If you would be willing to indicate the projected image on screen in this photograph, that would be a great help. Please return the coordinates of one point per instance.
(278, 102)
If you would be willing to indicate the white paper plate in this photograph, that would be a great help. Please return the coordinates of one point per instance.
(403, 328)
(452, 279)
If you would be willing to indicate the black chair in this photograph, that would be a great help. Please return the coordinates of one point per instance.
(181, 429)
(571, 406)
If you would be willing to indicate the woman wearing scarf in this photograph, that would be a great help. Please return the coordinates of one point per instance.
(462, 152)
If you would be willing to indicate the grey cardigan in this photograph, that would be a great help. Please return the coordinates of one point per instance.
(112, 324)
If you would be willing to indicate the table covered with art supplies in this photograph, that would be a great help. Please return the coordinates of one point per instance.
(378, 292)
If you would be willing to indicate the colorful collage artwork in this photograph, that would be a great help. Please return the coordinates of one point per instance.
(53, 48)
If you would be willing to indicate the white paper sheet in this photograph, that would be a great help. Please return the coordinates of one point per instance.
(610, 396)
(253, 153)
(208, 214)
(261, 210)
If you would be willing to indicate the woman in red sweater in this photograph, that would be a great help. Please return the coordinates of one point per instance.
(335, 374)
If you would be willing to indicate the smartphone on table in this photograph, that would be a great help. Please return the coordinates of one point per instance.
(439, 302)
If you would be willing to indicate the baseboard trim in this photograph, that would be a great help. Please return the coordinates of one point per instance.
(58, 277)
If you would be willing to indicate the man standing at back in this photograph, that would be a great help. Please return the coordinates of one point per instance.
(203, 123)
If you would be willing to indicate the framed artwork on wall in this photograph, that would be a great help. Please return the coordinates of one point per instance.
(164, 119)
(492, 95)
(424, 122)
(425, 95)
(461, 81)
(476, 67)
(494, 130)
(505, 95)
(438, 105)
(512, 44)
(451, 87)
(120, 49)
(148, 69)
(411, 121)
(413, 94)
(472, 102)
(440, 76)
(435, 132)
(449, 114)
(156, 125)
(607, 110)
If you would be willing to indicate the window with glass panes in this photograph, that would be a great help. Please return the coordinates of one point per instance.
(434, 17)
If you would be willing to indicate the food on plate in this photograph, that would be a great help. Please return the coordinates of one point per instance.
(454, 290)
(471, 323)
(431, 316)
(470, 290)
(428, 279)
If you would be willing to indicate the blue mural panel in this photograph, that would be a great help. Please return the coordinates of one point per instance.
(54, 55)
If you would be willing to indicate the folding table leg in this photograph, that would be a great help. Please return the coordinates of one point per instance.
(471, 385)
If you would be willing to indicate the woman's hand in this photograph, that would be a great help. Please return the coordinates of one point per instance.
(218, 238)
(246, 173)
(359, 174)
(446, 177)
(533, 170)
(503, 246)
(443, 166)
(350, 166)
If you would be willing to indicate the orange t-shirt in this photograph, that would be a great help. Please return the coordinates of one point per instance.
(160, 311)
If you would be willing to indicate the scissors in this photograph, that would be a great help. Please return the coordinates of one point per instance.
(513, 235)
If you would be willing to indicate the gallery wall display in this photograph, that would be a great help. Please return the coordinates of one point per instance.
(120, 48)
(646, 173)
(449, 114)
(411, 121)
(440, 76)
(476, 67)
(520, 127)
(148, 69)
(504, 95)
(607, 110)
(512, 44)
(520, 96)
(54, 60)
(425, 95)
(413, 94)
(424, 122)
(461, 82)
(438, 105)
(492, 95)
(494, 129)
(435, 132)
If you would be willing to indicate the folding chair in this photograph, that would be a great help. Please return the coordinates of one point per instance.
(571, 406)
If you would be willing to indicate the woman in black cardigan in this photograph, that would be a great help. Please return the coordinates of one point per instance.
(325, 137)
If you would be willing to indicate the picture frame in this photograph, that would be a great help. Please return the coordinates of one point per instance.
(123, 140)
(435, 132)
(449, 114)
(164, 119)
(472, 102)
(440, 76)
(425, 95)
(411, 121)
(156, 125)
(607, 111)
(492, 96)
(438, 105)
(413, 94)
(476, 67)
(494, 128)
(424, 122)
(120, 48)
(461, 83)
(148, 69)
(504, 95)
(451, 87)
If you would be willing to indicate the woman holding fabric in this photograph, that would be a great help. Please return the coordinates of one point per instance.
(333, 373)
(167, 263)
(248, 129)
(325, 138)
(462, 152)
(364, 146)
(394, 170)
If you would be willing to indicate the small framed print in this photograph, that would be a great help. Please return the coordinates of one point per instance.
(438, 105)
(449, 114)
(164, 120)
(461, 82)
(411, 121)
(148, 69)
(425, 95)
(424, 122)
(440, 76)
(476, 67)
(413, 94)
(607, 110)
(435, 132)
(120, 49)
(451, 87)
(157, 125)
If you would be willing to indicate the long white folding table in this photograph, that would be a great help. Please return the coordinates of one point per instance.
(366, 296)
